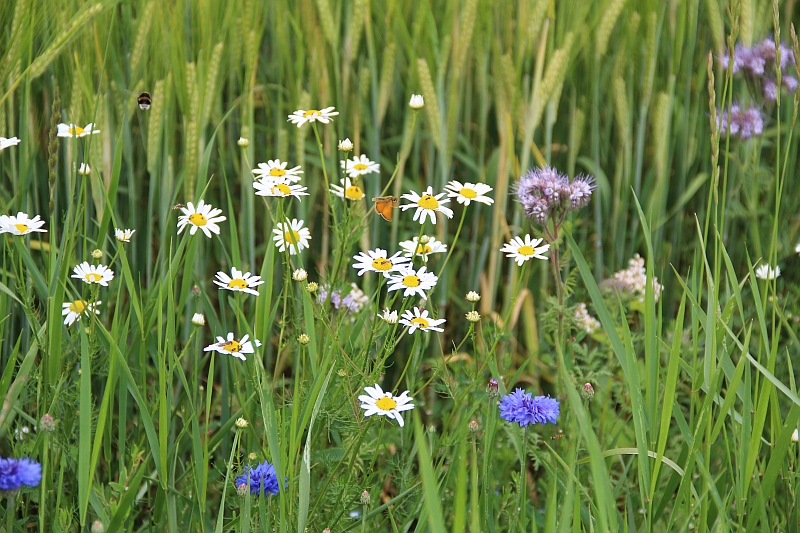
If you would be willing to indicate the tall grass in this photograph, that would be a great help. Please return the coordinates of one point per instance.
(695, 397)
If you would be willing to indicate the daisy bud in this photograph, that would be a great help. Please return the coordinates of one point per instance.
(473, 426)
(252, 456)
(84, 169)
(312, 287)
(47, 423)
(196, 291)
(473, 316)
(492, 389)
(797, 248)
(326, 530)
(795, 436)
(98, 527)
(424, 239)
(416, 102)
(97, 254)
(299, 275)
(342, 373)
(473, 296)
(243, 142)
(365, 498)
(241, 490)
(303, 339)
(198, 320)
(241, 423)
(587, 392)
(345, 145)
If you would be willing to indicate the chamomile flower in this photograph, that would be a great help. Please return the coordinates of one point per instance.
(419, 320)
(377, 402)
(377, 260)
(422, 247)
(278, 187)
(238, 281)
(124, 235)
(347, 190)
(87, 273)
(360, 165)
(390, 317)
(767, 272)
(5, 143)
(412, 281)
(427, 205)
(521, 250)
(231, 346)
(205, 217)
(72, 130)
(301, 116)
(464, 193)
(292, 235)
(73, 310)
(276, 169)
(416, 102)
(21, 224)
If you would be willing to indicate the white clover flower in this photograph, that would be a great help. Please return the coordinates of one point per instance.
(205, 217)
(427, 205)
(348, 190)
(21, 224)
(71, 130)
(521, 250)
(276, 169)
(73, 310)
(419, 320)
(6, 143)
(301, 116)
(422, 247)
(345, 145)
(292, 235)
(360, 165)
(124, 235)
(464, 193)
(238, 281)
(416, 102)
(767, 272)
(231, 346)
(412, 281)
(377, 402)
(390, 317)
(377, 260)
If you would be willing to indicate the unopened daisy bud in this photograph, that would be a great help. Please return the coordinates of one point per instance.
(345, 145)
(416, 102)
(84, 169)
(795, 436)
(252, 456)
(797, 248)
(242, 490)
(312, 287)
(303, 339)
(47, 423)
(588, 391)
(98, 527)
(196, 291)
(299, 275)
(390, 317)
(326, 530)
(97, 254)
(492, 389)
(473, 426)
(473, 316)
(473, 296)
(365, 498)
(342, 373)
(198, 320)
(424, 239)
(243, 142)
(241, 423)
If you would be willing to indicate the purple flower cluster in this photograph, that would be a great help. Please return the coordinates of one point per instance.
(758, 63)
(262, 479)
(524, 408)
(545, 193)
(742, 122)
(352, 302)
(14, 473)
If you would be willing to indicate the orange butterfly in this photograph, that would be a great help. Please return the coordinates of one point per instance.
(384, 206)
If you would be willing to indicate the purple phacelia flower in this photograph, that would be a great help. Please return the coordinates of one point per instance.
(523, 408)
(742, 122)
(545, 193)
(759, 62)
(14, 473)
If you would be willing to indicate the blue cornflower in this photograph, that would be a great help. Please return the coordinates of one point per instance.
(14, 473)
(263, 479)
(523, 408)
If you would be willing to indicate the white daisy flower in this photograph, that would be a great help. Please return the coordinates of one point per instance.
(238, 281)
(422, 247)
(231, 346)
(416, 102)
(278, 187)
(377, 402)
(377, 261)
(521, 250)
(301, 116)
(767, 272)
(412, 281)
(21, 224)
(276, 169)
(124, 235)
(390, 317)
(71, 130)
(203, 217)
(99, 274)
(347, 190)
(292, 235)
(419, 320)
(73, 310)
(5, 143)
(427, 205)
(360, 165)
(464, 193)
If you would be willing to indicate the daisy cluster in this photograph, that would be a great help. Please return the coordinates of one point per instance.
(759, 64)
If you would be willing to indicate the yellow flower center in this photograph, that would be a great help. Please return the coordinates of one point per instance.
(420, 322)
(198, 219)
(277, 172)
(428, 202)
(360, 166)
(77, 130)
(22, 228)
(93, 277)
(468, 193)
(291, 236)
(386, 403)
(310, 112)
(237, 283)
(411, 281)
(353, 192)
(232, 346)
(78, 306)
(526, 250)
(281, 188)
(423, 249)
(381, 264)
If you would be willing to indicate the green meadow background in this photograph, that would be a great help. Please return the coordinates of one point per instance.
(690, 426)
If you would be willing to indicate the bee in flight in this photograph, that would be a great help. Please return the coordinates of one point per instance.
(178, 207)
(384, 206)
(144, 101)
